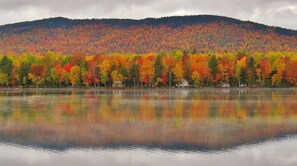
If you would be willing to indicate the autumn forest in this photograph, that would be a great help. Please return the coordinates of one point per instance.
(192, 51)
(164, 69)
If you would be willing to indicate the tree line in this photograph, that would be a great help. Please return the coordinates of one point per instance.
(163, 69)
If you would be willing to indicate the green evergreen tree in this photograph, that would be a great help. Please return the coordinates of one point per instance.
(243, 76)
(124, 72)
(6, 66)
(251, 72)
(134, 74)
(158, 67)
(213, 65)
(23, 72)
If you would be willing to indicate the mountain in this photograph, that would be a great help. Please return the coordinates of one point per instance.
(202, 33)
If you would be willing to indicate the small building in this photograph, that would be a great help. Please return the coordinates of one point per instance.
(183, 84)
(242, 85)
(118, 84)
(225, 85)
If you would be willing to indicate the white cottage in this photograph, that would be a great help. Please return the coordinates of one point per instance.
(183, 84)
(117, 84)
(225, 85)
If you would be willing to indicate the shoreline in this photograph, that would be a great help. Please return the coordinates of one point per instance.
(141, 88)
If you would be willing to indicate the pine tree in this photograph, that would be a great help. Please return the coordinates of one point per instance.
(158, 67)
(6, 66)
(251, 72)
(134, 73)
(24, 70)
(124, 72)
(213, 65)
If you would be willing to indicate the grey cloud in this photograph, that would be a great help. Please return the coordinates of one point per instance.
(272, 12)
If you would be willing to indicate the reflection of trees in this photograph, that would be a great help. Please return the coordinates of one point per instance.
(113, 106)
(208, 116)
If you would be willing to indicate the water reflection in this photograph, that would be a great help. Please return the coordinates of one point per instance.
(271, 153)
(205, 119)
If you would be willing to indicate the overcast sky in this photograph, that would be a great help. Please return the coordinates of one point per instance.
(281, 13)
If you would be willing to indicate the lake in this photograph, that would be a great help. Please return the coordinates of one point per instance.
(148, 127)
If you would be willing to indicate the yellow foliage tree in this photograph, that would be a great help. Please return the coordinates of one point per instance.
(75, 75)
(116, 76)
(196, 77)
(178, 72)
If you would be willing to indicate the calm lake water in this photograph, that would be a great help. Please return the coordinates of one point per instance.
(148, 127)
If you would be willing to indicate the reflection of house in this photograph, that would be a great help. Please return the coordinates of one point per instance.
(117, 84)
(184, 83)
(225, 85)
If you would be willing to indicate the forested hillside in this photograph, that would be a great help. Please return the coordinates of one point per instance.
(198, 34)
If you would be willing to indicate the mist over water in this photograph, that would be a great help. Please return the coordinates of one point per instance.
(148, 127)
